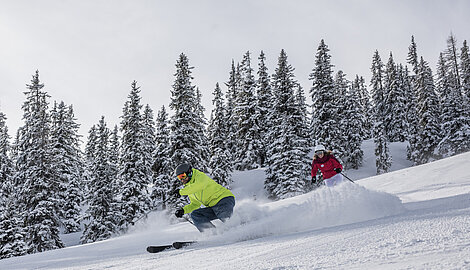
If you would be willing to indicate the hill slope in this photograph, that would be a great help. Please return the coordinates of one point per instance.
(411, 218)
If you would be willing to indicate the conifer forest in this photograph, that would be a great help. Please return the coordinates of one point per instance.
(54, 181)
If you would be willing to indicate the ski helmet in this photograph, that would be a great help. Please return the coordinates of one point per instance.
(183, 168)
(320, 147)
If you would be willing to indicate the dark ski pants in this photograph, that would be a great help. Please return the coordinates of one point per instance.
(222, 210)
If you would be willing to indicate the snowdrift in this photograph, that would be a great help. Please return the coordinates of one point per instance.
(325, 207)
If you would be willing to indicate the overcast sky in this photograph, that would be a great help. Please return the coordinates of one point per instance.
(88, 52)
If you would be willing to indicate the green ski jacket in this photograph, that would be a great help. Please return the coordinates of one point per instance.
(201, 189)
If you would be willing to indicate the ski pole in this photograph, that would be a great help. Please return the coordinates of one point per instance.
(347, 177)
(151, 210)
(188, 220)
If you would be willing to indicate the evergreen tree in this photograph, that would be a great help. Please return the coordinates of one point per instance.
(6, 164)
(452, 56)
(201, 123)
(341, 89)
(89, 159)
(303, 141)
(14, 149)
(68, 165)
(185, 136)
(221, 158)
(465, 72)
(11, 237)
(395, 103)
(412, 58)
(247, 150)
(38, 192)
(286, 172)
(360, 89)
(135, 169)
(230, 117)
(353, 123)
(412, 118)
(427, 108)
(324, 125)
(263, 105)
(149, 139)
(383, 159)
(455, 127)
(162, 165)
(115, 159)
(102, 212)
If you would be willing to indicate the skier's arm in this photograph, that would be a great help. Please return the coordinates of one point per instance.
(336, 163)
(192, 206)
(314, 170)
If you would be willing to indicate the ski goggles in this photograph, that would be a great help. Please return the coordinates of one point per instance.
(181, 176)
(319, 152)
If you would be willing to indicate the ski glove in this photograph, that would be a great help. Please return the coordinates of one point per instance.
(337, 170)
(179, 213)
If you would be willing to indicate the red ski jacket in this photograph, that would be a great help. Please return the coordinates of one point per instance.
(326, 165)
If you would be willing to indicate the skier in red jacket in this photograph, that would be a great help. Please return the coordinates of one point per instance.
(328, 165)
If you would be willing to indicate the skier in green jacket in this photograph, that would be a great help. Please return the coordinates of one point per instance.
(202, 190)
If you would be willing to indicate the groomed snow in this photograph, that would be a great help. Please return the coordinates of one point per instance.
(411, 218)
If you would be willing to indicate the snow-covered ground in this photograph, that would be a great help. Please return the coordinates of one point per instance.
(411, 218)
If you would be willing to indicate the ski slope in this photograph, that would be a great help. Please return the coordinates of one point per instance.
(411, 218)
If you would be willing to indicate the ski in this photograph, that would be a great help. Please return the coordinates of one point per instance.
(156, 249)
(175, 245)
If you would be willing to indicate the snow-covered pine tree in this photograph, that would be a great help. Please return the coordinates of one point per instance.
(303, 143)
(221, 158)
(451, 56)
(324, 126)
(230, 117)
(7, 169)
(454, 120)
(68, 165)
(11, 237)
(383, 160)
(89, 159)
(185, 140)
(412, 58)
(395, 102)
(102, 213)
(201, 124)
(135, 173)
(263, 105)
(412, 118)
(38, 190)
(15, 147)
(149, 138)
(428, 130)
(359, 84)
(341, 88)
(114, 158)
(162, 166)
(285, 174)
(246, 154)
(465, 71)
(353, 125)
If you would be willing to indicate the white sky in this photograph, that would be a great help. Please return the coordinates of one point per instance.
(88, 52)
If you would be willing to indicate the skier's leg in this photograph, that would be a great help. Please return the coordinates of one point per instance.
(334, 180)
(224, 208)
(339, 178)
(202, 218)
(329, 182)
